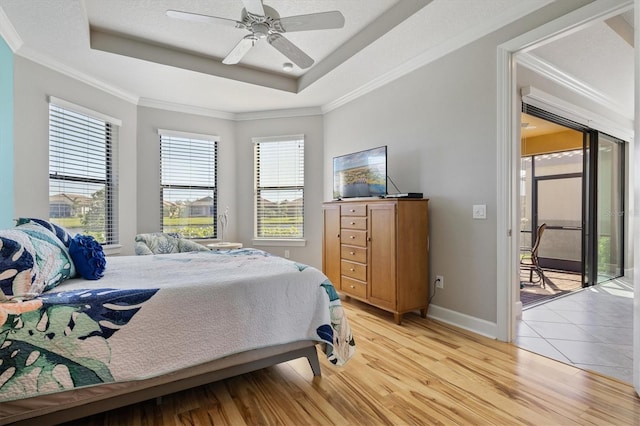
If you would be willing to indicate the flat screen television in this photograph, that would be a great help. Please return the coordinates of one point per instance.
(360, 174)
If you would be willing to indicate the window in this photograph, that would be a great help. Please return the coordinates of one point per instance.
(188, 178)
(279, 187)
(82, 171)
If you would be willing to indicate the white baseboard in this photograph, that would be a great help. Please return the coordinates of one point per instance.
(466, 322)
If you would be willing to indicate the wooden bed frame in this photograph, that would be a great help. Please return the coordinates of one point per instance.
(69, 405)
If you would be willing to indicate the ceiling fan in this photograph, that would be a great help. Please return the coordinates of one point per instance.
(264, 22)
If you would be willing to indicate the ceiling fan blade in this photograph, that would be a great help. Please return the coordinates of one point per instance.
(196, 17)
(254, 7)
(290, 50)
(313, 21)
(240, 50)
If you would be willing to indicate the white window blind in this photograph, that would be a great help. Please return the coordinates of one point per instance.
(279, 187)
(188, 174)
(83, 189)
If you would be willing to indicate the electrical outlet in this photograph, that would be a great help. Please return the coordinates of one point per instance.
(439, 281)
(286, 254)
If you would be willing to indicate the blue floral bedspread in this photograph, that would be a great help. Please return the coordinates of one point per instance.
(150, 315)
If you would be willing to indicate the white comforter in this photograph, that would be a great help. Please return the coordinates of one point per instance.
(150, 315)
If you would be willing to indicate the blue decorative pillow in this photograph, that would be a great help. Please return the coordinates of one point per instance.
(88, 256)
(58, 230)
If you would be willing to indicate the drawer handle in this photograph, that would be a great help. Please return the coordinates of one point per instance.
(352, 286)
(352, 236)
(352, 270)
(353, 223)
(352, 253)
(352, 211)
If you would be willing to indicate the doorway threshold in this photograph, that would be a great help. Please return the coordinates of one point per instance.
(591, 329)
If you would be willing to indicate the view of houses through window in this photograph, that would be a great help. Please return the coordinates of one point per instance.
(279, 187)
(188, 168)
(82, 190)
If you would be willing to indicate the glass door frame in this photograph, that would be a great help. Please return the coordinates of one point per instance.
(558, 263)
(592, 157)
(589, 193)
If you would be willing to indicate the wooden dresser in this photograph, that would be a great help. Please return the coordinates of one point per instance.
(377, 251)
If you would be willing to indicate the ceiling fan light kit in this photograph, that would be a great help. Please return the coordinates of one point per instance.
(264, 22)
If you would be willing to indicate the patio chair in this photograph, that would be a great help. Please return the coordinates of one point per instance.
(529, 260)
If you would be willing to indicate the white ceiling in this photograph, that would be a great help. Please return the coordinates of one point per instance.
(381, 40)
(596, 61)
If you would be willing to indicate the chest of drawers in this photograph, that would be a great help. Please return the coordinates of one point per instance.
(377, 251)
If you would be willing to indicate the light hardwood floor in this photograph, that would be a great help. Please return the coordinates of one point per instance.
(421, 372)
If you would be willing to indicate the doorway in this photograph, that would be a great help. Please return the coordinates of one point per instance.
(572, 180)
(509, 84)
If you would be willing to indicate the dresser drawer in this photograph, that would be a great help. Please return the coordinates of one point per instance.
(353, 222)
(354, 287)
(354, 254)
(353, 270)
(353, 210)
(354, 237)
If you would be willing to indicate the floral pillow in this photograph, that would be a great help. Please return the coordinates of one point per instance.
(32, 260)
(88, 256)
(185, 245)
(18, 271)
(58, 230)
(165, 243)
(156, 243)
(50, 254)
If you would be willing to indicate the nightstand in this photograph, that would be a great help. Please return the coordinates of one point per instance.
(224, 246)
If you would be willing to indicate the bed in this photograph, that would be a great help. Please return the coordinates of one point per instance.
(157, 324)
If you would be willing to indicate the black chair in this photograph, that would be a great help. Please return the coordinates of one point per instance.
(529, 260)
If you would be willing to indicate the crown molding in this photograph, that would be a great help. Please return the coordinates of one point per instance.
(46, 61)
(187, 109)
(621, 128)
(278, 113)
(243, 116)
(435, 53)
(9, 33)
(542, 67)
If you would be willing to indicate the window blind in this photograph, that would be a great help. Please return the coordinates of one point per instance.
(188, 175)
(279, 187)
(83, 174)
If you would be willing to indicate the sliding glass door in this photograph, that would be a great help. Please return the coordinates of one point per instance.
(610, 208)
(572, 179)
(559, 205)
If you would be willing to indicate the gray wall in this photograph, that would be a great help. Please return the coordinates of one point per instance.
(139, 158)
(148, 165)
(6, 135)
(312, 128)
(439, 124)
(33, 84)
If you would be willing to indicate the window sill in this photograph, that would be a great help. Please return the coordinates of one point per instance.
(275, 242)
(112, 249)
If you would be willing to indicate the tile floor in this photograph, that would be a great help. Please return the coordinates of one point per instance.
(591, 329)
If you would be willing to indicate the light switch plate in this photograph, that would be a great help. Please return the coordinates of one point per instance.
(479, 211)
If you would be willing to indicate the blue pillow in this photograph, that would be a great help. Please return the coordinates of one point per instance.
(88, 256)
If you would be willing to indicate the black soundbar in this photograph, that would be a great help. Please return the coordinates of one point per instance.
(405, 195)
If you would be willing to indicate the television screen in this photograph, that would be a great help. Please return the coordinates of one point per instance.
(360, 174)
